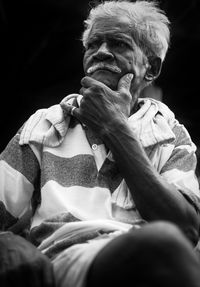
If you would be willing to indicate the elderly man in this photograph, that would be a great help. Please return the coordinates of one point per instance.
(118, 195)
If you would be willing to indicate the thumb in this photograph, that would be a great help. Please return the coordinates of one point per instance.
(125, 83)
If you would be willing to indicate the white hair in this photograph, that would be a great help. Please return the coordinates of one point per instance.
(149, 24)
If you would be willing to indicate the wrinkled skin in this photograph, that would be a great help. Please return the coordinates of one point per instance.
(102, 106)
(111, 42)
(109, 96)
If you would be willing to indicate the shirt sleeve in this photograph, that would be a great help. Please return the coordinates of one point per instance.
(19, 172)
(181, 166)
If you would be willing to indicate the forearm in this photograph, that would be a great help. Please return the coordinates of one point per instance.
(154, 197)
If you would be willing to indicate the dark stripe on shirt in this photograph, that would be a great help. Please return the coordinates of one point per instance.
(79, 170)
(180, 159)
(6, 219)
(48, 226)
(182, 137)
(21, 158)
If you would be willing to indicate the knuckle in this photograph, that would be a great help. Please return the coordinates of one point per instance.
(87, 93)
(91, 91)
(81, 91)
(125, 94)
(95, 89)
(83, 104)
(83, 80)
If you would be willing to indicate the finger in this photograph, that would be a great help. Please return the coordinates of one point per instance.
(81, 91)
(125, 83)
(87, 82)
(70, 110)
(76, 113)
(67, 108)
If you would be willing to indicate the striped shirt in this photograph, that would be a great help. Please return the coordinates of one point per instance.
(79, 181)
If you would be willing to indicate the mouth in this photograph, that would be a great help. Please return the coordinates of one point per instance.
(103, 66)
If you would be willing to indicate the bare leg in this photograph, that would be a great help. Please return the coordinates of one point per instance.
(156, 255)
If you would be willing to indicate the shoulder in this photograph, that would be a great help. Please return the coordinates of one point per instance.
(164, 110)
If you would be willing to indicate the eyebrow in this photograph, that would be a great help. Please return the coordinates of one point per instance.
(123, 37)
(117, 35)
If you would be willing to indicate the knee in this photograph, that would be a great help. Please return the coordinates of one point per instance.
(160, 235)
(164, 231)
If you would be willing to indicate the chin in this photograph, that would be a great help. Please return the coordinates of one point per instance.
(107, 78)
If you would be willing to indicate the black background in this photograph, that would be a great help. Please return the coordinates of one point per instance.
(41, 59)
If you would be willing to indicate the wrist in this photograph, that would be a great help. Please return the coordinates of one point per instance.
(113, 128)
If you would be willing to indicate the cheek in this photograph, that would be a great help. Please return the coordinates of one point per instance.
(84, 66)
(138, 68)
(86, 58)
(129, 63)
(136, 63)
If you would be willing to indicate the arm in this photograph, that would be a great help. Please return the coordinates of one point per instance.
(19, 170)
(154, 196)
(106, 112)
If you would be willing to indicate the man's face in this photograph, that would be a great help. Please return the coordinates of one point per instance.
(111, 52)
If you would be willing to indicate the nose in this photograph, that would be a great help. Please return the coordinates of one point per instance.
(103, 53)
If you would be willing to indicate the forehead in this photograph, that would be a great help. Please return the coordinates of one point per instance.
(111, 25)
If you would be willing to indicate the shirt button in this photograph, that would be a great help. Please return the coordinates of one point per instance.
(94, 146)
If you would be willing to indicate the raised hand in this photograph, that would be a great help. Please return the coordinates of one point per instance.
(101, 106)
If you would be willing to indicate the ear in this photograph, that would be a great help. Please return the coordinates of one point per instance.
(154, 69)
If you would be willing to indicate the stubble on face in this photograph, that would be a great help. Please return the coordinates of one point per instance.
(130, 60)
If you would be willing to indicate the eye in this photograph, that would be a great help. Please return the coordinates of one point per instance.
(119, 43)
(93, 44)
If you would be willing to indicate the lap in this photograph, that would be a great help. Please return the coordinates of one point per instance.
(152, 251)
